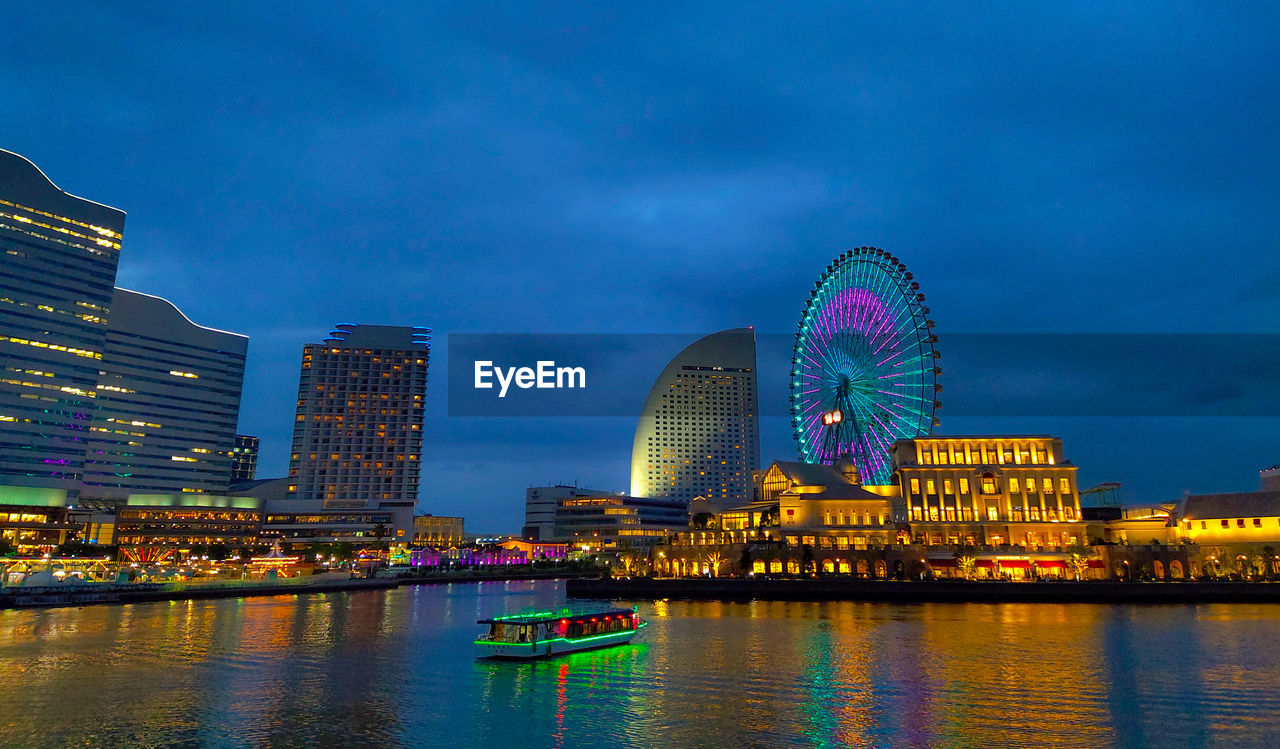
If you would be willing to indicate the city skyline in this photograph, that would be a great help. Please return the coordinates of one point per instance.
(456, 221)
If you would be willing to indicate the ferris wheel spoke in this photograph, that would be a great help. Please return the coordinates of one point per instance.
(862, 348)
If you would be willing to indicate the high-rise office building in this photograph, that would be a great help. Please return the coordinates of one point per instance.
(58, 257)
(699, 434)
(357, 438)
(168, 400)
(244, 458)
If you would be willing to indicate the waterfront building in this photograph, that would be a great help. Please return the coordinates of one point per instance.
(1236, 533)
(989, 489)
(357, 440)
(438, 530)
(56, 282)
(698, 432)
(618, 521)
(538, 551)
(160, 527)
(483, 556)
(983, 506)
(541, 504)
(168, 400)
(244, 459)
(1135, 524)
(33, 520)
(599, 519)
(298, 523)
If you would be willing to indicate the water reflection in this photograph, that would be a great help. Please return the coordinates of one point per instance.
(396, 668)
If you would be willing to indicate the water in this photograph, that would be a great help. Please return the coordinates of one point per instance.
(396, 668)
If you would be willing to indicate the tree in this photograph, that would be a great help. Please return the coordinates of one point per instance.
(1213, 557)
(7, 549)
(1078, 560)
(1269, 560)
(966, 556)
(702, 521)
(806, 559)
(744, 561)
(380, 532)
(714, 560)
(219, 552)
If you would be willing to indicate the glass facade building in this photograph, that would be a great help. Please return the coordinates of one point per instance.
(698, 434)
(244, 459)
(168, 402)
(56, 283)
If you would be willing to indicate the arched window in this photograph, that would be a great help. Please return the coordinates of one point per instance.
(989, 483)
(880, 571)
(1157, 567)
(1175, 569)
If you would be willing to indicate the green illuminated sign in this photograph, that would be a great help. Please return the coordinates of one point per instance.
(31, 496)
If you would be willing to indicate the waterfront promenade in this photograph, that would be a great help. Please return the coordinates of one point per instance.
(923, 591)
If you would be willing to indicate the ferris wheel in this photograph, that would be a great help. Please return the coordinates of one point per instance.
(864, 371)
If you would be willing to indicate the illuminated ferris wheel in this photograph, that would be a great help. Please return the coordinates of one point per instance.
(864, 372)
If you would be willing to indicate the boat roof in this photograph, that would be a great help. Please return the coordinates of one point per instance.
(551, 615)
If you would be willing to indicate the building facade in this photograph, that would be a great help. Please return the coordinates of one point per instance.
(698, 434)
(56, 282)
(357, 440)
(160, 527)
(541, 504)
(244, 459)
(33, 520)
(618, 521)
(438, 530)
(993, 490)
(168, 402)
(984, 507)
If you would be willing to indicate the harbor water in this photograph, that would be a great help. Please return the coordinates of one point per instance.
(396, 668)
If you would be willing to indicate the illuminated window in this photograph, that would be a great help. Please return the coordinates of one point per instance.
(988, 483)
(992, 513)
(915, 486)
(1064, 485)
(1226, 523)
(1047, 484)
(964, 486)
(930, 487)
(1257, 522)
(1239, 522)
(948, 487)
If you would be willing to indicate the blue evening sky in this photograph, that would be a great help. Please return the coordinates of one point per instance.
(675, 168)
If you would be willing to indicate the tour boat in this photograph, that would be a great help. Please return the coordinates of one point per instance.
(541, 634)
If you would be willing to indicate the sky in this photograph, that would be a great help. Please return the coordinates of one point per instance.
(682, 168)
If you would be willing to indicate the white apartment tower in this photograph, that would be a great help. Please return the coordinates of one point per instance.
(699, 434)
